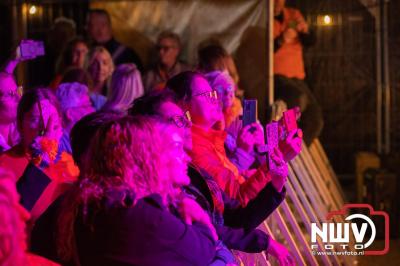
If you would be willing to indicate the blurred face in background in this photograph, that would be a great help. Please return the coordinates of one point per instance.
(99, 28)
(100, 66)
(225, 87)
(9, 98)
(278, 6)
(168, 51)
(78, 54)
(32, 124)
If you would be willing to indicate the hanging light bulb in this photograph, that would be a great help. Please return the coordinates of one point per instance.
(327, 20)
(33, 10)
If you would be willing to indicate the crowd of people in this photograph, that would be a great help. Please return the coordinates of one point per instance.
(114, 165)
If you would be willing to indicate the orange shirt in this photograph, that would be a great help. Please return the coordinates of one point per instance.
(64, 170)
(288, 59)
(35, 260)
(14, 161)
(208, 153)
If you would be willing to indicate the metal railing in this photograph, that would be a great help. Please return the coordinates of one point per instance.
(312, 191)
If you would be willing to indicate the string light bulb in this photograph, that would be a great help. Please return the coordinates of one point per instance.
(33, 10)
(327, 20)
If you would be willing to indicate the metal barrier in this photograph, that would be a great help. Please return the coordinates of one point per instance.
(312, 191)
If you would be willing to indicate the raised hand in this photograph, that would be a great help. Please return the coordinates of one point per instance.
(245, 139)
(258, 134)
(278, 169)
(291, 145)
(279, 252)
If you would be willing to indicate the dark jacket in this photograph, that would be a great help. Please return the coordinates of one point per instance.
(145, 233)
(237, 227)
(124, 55)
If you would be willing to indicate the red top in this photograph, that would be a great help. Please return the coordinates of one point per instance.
(35, 260)
(209, 154)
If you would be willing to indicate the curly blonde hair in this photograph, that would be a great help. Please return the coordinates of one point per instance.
(125, 154)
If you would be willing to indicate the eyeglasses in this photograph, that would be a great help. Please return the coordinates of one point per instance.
(184, 120)
(211, 96)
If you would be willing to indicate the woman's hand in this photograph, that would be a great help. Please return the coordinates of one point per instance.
(279, 252)
(245, 139)
(291, 146)
(249, 136)
(258, 134)
(302, 26)
(290, 35)
(278, 169)
(191, 211)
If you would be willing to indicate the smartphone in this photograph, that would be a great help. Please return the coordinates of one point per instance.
(290, 118)
(31, 48)
(272, 135)
(249, 111)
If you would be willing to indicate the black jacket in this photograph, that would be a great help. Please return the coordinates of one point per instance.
(145, 233)
(237, 227)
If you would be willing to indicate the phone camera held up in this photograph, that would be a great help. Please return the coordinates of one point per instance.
(30, 49)
(249, 113)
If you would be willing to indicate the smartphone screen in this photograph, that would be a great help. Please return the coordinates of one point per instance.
(31, 49)
(272, 133)
(39, 48)
(249, 111)
(290, 119)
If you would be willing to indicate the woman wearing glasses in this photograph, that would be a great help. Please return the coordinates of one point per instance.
(241, 142)
(234, 231)
(9, 98)
(121, 210)
(208, 135)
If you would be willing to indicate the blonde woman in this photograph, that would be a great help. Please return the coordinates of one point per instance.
(100, 67)
(126, 86)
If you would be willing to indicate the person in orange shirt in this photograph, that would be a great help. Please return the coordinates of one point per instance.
(291, 35)
(194, 94)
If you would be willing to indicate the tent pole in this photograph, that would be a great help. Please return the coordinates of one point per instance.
(270, 38)
(378, 79)
(386, 76)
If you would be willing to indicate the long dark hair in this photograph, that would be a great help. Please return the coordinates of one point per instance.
(65, 59)
(181, 84)
(33, 96)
